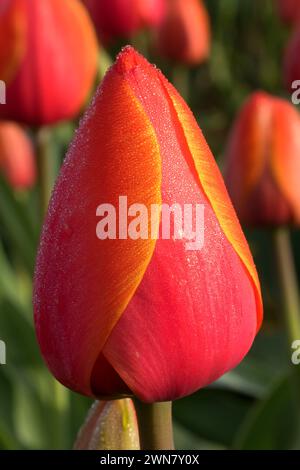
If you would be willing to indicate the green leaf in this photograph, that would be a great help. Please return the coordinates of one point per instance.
(263, 366)
(17, 225)
(212, 414)
(186, 440)
(8, 440)
(272, 423)
(18, 333)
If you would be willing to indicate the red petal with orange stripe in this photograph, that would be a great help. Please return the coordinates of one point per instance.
(142, 316)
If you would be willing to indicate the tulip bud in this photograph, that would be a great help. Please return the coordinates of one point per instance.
(292, 61)
(184, 34)
(59, 63)
(17, 160)
(289, 10)
(262, 162)
(110, 425)
(124, 18)
(12, 36)
(136, 312)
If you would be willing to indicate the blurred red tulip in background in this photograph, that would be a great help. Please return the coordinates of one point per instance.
(123, 18)
(152, 12)
(57, 70)
(17, 160)
(263, 163)
(184, 34)
(292, 61)
(289, 10)
(12, 37)
(142, 316)
(110, 425)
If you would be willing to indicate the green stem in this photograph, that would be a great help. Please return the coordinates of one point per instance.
(44, 167)
(155, 425)
(290, 303)
(60, 415)
(288, 282)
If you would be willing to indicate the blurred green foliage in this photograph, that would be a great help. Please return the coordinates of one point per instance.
(252, 407)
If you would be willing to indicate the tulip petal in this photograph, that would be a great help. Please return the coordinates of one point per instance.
(285, 161)
(193, 316)
(213, 186)
(83, 284)
(184, 34)
(247, 151)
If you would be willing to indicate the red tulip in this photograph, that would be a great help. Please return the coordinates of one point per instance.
(114, 18)
(17, 160)
(134, 315)
(12, 34)
(289, 10)
(123, 18)
(184, 34)
(263, 164)
(59, 65)
(292, 60)
(110, 425)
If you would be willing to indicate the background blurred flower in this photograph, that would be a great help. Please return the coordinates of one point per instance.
(12, 38)
(59, 65)
(292, 60)
(17, 160)
(152, 12)
(142, 316)
(289, 10)
(262, 162)
(110, 425)
(184, 34)
(123, 18)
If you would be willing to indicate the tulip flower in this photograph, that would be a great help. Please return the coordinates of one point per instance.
(59, 63)
(142, 315)
(263, 165)
(12, 36)
(184, 34)
(289, 10)
(110, 425)
(17, 160)
(292, 61)
(124, 18)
